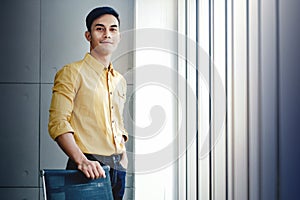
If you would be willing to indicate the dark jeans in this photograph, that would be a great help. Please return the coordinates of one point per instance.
(117, 172)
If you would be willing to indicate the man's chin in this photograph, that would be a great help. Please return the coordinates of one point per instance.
(103, 51)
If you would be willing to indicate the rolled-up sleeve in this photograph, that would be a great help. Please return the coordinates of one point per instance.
(62, 102)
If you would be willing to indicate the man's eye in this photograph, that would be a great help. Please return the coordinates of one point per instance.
(100, 29)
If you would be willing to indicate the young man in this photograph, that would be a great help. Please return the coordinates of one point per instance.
(87, 105)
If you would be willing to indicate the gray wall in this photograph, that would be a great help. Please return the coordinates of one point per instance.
(38, 37)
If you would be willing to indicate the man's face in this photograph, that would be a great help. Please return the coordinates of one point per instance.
(105, 35)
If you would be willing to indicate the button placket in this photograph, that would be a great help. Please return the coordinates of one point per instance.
(109, 79)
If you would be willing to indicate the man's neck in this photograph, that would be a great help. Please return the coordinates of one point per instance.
(104, 60)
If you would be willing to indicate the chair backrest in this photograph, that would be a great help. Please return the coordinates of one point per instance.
(59, 184)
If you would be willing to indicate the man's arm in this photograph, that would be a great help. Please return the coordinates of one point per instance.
(92, 169)
(60, 129)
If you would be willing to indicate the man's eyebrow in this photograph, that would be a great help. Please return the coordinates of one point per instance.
(102, 25)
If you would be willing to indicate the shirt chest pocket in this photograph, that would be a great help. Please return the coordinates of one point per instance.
(119, 99)
(121, 96)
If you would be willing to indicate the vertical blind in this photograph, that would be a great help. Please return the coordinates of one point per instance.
(228, 94)
(238, 82)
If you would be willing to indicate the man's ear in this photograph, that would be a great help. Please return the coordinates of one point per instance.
(88, 36)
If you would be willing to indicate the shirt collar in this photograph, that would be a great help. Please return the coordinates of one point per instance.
(96, 65)
(111, 69)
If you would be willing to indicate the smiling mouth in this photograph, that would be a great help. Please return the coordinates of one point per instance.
(105, 42)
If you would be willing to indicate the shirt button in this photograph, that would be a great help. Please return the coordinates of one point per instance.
(112, 121)
(112, 107)
(110, 93)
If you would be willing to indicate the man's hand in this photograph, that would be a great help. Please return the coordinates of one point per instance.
(91, 169)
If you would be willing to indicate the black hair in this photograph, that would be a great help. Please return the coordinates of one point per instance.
(98, 12)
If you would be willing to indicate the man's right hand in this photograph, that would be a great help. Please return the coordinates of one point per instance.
(91, 169)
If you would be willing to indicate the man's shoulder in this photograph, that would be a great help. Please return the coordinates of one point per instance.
(71, 70)
(73, 66)
(76, 64)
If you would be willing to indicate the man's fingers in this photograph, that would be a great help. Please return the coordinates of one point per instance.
(92, 169)
(95, 171)
(87, 170)
(101, 171)
(87, 174)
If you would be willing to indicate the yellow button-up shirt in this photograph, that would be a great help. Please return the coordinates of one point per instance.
(88, 100)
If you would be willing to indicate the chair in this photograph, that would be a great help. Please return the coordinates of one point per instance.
(59, 184)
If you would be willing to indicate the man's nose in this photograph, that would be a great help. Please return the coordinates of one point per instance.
(107, 34)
